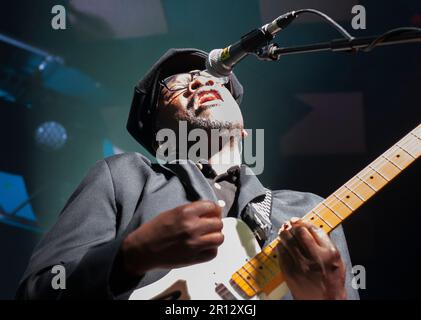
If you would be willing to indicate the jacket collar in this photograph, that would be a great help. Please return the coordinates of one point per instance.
(198, 187)
(192, 179)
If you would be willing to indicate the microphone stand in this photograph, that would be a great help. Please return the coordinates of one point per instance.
(364, 44)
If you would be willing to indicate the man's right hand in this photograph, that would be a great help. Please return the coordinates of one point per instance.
(185, 235)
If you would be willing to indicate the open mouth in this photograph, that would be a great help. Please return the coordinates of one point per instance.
(208, 97)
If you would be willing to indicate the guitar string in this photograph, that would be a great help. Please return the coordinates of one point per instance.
(352, 184)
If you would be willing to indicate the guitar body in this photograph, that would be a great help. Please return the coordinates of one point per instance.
(211, 280)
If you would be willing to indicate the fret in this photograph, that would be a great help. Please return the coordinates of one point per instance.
(262, 269)
(349, 198)
(345, 205)
(257, 277)
(264, 263)
(319, 223)
(379, 173)
(309, 216)
(338, 206)
(410, 145)
(388, 170)
(329, 216)
(271, 251)
(325, 204)
(249, 278)
(372, 178)
(250, 275)
(321, 218)
(337, 214)
(243, 285)
(391, 161)
(245, 273)
(406, 152)
(416, 136)
(361, 188)
(399, 157)
(353, 191)
(271, 247)
(269, 255)
(365, 182)
(267, 262)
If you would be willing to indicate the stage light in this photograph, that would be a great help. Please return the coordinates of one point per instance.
(51, 135)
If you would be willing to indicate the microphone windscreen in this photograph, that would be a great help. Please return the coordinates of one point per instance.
(215, 66)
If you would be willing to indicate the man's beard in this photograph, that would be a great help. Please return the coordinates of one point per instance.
(193, 122)
(216, 133)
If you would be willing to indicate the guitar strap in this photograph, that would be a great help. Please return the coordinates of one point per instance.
(257, 216)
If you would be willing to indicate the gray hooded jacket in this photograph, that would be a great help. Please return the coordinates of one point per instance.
(118, 194)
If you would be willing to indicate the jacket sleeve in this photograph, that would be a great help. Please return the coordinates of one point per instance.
(83, 240)
(338, 238)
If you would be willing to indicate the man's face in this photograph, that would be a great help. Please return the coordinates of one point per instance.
(202, 100)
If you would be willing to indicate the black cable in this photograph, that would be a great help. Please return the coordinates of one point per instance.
(272, 52)
(389, 34)
(332, 22)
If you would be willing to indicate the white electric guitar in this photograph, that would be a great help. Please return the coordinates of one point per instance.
(241, 270)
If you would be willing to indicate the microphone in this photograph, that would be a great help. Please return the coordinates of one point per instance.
(220, 62)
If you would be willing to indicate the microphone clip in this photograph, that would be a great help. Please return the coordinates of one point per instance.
(268, 53)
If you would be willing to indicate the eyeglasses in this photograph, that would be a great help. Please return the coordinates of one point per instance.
(181, 81)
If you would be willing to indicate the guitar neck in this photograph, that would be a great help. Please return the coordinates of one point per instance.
(253, 278)
(359, 189)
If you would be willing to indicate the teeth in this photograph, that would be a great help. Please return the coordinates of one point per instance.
(211, 96)
(207, 99)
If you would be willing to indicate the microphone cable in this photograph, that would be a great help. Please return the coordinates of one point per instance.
(271, 51)
(328, 19)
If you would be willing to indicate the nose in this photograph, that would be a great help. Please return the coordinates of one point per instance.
(200, 82)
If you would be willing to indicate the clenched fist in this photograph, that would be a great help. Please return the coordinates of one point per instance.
(185, 235)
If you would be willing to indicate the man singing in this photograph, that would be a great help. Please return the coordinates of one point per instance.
(131, 221)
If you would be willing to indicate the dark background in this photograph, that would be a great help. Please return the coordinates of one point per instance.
(325, 115)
